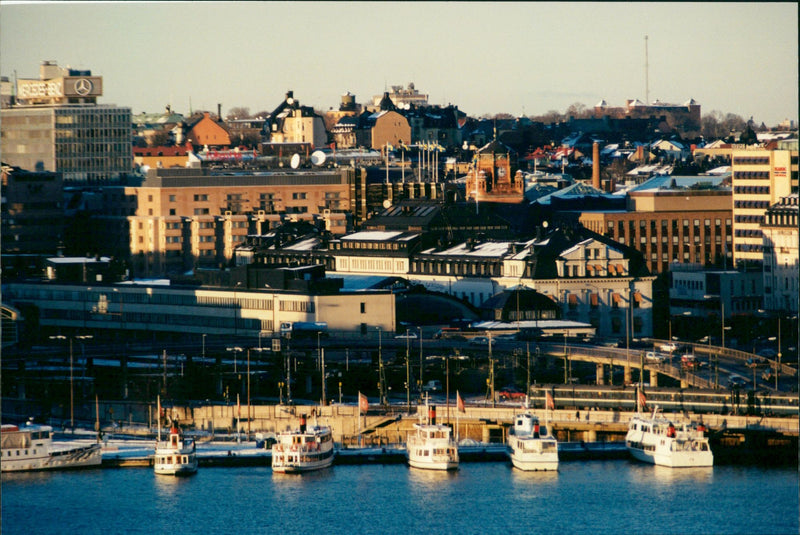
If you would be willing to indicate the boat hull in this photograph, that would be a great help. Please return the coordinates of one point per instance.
(76, 458)
(689, 459)
(297, 467)
(428, 464)
(534, 462)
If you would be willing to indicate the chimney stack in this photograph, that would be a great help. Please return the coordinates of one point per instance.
(596, 165)
(219, 112)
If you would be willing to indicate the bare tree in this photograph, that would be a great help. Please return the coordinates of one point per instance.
(238, 112)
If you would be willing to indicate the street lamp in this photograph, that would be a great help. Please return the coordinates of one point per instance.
(71, 376)
(235, 350)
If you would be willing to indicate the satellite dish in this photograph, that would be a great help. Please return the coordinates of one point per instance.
(317, 157)
(295, 161)
(387, 203)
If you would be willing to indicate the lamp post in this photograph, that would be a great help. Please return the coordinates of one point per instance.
(71, 376)
(420, 362)
(408, 372)
(380, 369)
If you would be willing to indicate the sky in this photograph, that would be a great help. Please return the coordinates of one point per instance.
(485, 57)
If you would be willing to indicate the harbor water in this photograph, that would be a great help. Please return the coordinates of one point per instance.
(615, 496)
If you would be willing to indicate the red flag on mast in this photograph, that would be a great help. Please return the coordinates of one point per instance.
(363, 403)
(460, 403)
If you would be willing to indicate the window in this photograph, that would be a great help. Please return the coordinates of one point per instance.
(172, 198)
(198, 198)
(201, 211)
(363, 308)
(298, 196)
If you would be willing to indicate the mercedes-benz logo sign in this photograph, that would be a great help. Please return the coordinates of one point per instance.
(83, 87)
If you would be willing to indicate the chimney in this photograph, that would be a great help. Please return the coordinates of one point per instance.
(596, 165)
(219, 112)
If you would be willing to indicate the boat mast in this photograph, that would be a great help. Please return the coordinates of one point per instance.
(158, 417)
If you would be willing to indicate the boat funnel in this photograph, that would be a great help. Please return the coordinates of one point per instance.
(303, 423)
(432, 414)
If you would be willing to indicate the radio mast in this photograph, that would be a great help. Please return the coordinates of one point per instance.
(646, 74)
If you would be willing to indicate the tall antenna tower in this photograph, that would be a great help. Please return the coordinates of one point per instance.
(646, 74)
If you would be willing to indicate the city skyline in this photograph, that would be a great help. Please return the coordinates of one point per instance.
(487, 58)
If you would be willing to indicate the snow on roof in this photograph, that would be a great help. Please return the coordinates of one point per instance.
(77, 259)
(495, 249)
(304, 245)
(375, 235)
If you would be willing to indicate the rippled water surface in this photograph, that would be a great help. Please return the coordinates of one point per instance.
(583, 497)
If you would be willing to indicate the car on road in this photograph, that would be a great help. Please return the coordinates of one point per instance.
(736, 382)
(481, 341)
(510, 393)
(406, 336)
(688, 360)
(668, 347)
(653, 356)
(756, 362)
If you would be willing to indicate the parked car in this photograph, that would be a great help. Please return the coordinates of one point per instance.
(510, 393)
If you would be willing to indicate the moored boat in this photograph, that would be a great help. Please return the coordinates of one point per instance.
(657, 440)
(304, 449)
(30, 447)
(175, 456)
(431, 446)
(530, 446)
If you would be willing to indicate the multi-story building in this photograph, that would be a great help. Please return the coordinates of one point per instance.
(292, 123)
(672, 220)
(183, 218)
(56, 125)
(492, 177)
(32, 217)
(402, 97)
(592, 279)
(683, 117)
(760, 178)
(781, 264)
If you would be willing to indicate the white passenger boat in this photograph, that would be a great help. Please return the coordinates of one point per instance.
(30, 447)
(530, 447)
(303, 450)
(431, 446)
(655, 439)
(175, 456)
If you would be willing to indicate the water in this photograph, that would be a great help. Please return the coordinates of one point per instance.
(583, 497)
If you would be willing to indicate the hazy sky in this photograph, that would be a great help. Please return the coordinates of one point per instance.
(484, 57)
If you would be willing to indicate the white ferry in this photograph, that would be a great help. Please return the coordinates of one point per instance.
(303, 450)
(431, 446)
(530, 447)
(175, 456)
(30, 447)
(655, 439)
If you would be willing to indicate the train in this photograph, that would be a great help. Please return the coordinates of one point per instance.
(701, 401)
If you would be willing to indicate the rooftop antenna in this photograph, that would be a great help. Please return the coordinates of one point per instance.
(646, 74)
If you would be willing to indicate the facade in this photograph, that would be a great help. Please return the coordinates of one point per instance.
(56, 125)
(590, 279)
(401, 97)
(388, 128)
(32, 212)
(179, 219)
(672, 220)
(781, 264)
(166, 309)
(760, 178)
(683, 117)
(292, 123)
(202, 131)
(491, 179)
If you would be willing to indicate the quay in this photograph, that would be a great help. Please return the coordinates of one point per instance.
(378, 437)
